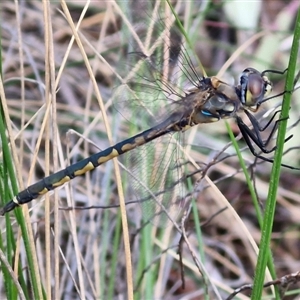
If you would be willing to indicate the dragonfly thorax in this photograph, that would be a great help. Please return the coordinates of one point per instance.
(217, 106)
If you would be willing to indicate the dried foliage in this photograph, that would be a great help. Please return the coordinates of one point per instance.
(56, 115)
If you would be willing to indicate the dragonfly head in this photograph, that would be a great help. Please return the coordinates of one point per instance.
(254, 87)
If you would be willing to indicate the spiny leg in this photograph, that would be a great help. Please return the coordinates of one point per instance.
(255, 136)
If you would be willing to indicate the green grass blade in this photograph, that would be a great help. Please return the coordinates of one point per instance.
(253, 196)
(271, 201)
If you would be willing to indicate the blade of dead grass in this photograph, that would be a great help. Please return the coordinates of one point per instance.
(50, 93)
(116, 167)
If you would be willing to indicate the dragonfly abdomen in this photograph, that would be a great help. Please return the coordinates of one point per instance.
(61, 177)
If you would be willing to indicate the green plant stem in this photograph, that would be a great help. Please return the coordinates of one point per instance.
(274, 180)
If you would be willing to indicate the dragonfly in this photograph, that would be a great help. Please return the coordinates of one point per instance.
(204, 100)
(210, 102)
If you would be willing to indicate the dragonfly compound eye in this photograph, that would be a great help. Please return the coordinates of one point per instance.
(254, 87)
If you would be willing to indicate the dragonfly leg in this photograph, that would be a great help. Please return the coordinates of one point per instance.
(274, 72)
(258, 129)
(255, 136)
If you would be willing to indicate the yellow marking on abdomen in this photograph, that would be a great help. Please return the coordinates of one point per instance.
(88, 167)
(62, 181)
(128, 147)
(108, 157)
(137, 142)
(43, 191)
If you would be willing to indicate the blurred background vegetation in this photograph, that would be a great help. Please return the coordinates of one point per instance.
(54, 107)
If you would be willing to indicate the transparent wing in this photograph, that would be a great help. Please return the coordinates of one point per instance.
(159, 75)
(156, 176)
(159, 72)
